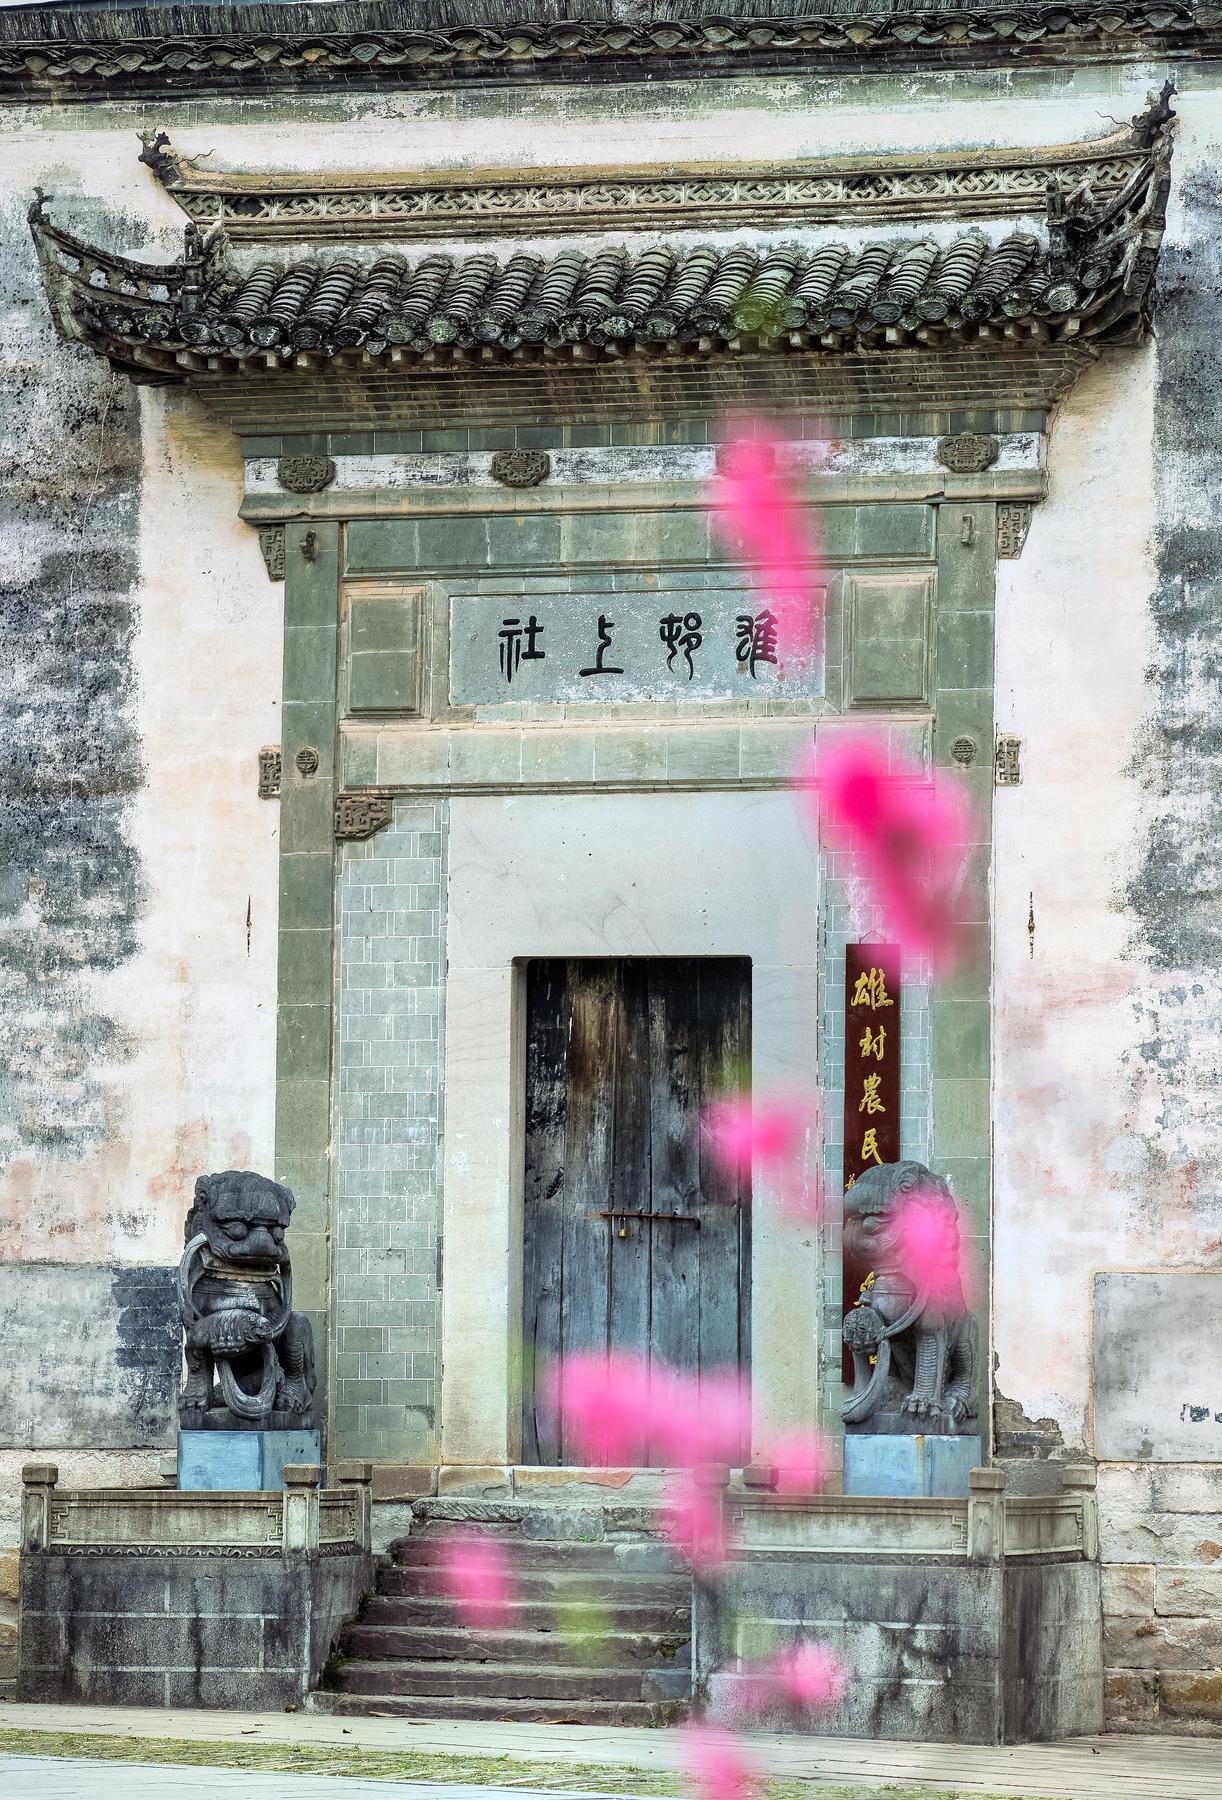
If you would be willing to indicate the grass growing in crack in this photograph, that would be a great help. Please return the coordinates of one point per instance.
(413, 1765)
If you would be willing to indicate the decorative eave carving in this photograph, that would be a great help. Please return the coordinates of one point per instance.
(962, 184)
(58, 51)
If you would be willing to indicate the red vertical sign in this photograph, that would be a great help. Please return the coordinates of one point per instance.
(871, 1077)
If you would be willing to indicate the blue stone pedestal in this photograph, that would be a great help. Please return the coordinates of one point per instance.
(242, 1461)
(909, 1468)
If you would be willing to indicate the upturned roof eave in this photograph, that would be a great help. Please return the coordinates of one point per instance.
(1088, 279)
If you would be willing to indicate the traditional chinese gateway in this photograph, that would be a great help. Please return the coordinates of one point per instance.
(397, 804)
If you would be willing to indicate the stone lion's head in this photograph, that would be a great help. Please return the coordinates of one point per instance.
(242, 1215)
(873, 1197)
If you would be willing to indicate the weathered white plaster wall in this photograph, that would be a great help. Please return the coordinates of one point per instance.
(1072, 642)
(1108, 1152)
(196, 1004)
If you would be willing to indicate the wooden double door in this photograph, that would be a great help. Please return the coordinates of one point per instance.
(635, 1240)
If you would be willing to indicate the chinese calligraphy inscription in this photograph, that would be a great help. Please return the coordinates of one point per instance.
(696, 644)
(871, 1081)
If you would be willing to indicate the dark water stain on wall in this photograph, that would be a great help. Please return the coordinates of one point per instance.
(148, 1345)
(1177, 893)
(96, 1354)
(70, 883)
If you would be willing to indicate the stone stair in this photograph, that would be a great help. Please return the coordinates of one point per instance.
(599, 1632)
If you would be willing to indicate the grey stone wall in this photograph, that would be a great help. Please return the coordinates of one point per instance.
(941, 1649)
(386, 1194)
(237, 1631)
(1160, 1530)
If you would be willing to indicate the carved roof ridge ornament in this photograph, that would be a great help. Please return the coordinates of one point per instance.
(206, 316)
(57, 50)
(316, 204)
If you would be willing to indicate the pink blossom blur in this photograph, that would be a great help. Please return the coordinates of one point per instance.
(694, 1523)
(908, 835)
(801, 1462)
(606, 1403)
(477, 1576)
(930, 1251)
(755, 509)
(768, 1133)
(717, 1765)
(803, 1678)
(810, 1676)
(618, 1407)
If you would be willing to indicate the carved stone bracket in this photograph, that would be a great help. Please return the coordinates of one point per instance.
(1013, 524)
(361, 813)
(271, 543)
(269, 772)
(1008, 760)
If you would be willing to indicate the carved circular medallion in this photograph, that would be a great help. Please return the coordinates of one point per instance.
(521, 468)
(305, 474)
(964, 750)
(307, 761)
(968, 453)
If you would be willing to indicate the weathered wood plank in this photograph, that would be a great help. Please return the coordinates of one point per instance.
(595, 1028)
(674, 1057)
(543, 1198)
(724, 1270)
(630, 1240)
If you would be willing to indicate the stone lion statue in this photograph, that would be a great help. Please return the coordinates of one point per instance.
(249, 1356)
(914, 1358)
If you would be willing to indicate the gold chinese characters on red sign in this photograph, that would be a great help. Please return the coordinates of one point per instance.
(871, 1076)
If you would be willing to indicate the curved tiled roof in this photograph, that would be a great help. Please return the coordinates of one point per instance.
(160, 49)
(1088, 279)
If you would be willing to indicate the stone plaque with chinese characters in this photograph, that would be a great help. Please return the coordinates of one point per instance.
(676, 644)
(871, 1077)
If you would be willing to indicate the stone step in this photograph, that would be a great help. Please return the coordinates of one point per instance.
(489, 1707)
(424, 1580)
(608, 1649)
(509, 1681)
(574, 1612)
(428, 1548)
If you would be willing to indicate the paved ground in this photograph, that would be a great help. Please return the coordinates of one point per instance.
(1105, 1768)
(36, 1778)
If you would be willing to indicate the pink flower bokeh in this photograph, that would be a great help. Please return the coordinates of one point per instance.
(909, 836)
(801, 1462)
(930, 1250)
(770, 1133)
(717, 1765)
(477, 1577)
(757, 511)
(619, 1407)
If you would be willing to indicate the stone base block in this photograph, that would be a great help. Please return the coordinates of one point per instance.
(242, 1462)
(909, 1468)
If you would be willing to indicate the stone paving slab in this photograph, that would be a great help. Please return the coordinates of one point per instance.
(67, 1778)
(1102, 1768)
